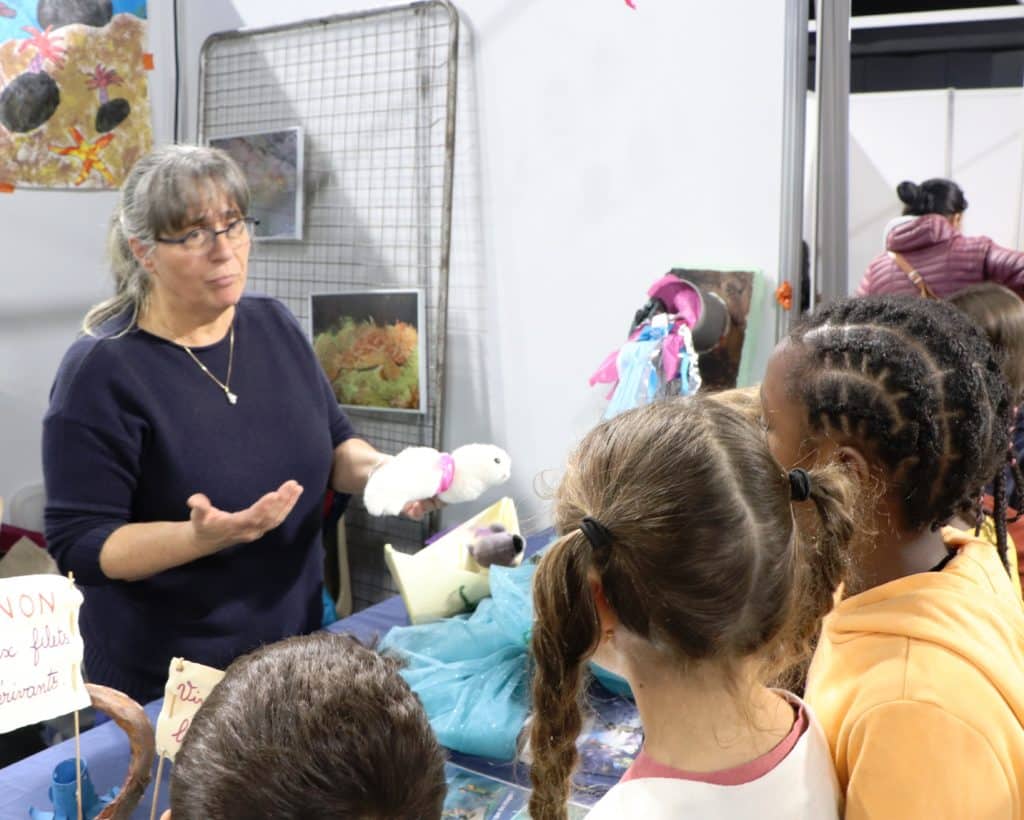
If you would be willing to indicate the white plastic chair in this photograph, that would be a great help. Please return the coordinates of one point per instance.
(25, 507)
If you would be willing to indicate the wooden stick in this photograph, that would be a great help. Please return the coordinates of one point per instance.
(78, 734)
(156, 786)
(72, 627)
(78, 766)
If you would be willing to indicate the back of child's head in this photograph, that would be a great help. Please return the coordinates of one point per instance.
(999, 312)
(315, 726)
(915, 386)
(744, 400)
(696, 552)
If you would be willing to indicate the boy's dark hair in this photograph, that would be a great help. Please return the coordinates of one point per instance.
(703, 561)
(917, 384)
(314, 726)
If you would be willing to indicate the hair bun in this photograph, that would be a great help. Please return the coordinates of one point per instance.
(909, 193)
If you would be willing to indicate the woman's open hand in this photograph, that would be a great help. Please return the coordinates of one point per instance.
(216, 529)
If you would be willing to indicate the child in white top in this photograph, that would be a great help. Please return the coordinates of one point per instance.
(681, 568)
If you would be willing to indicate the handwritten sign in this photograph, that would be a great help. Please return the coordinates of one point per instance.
(40, 650)
(188, 685)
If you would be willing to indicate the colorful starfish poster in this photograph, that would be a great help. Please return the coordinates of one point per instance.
(74, 104)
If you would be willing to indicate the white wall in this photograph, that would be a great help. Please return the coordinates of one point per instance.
(53, 270)
(598, 146)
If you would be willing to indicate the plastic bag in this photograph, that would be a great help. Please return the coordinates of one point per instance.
(638, 372)
(472, 672)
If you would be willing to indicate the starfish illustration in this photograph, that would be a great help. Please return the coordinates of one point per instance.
(100, 78)
(88, 153)
(48, 47)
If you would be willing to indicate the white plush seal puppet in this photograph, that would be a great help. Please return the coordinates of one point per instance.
(417, 473)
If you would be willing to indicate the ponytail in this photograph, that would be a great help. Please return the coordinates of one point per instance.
(131, 285)
(824, 559)
(565, 633)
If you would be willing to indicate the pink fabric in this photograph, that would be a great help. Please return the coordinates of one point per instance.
(644, 766)
(608, 371)
(447, 466)
(679, 296)
(946, 259)
(670, 353)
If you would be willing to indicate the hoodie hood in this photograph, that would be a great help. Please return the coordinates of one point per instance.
(971, 608)
(918, 232)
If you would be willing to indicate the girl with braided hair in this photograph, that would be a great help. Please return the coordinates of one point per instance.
(679, 567)
(918, 676)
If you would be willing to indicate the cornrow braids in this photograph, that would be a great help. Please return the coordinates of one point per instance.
(1015, 498)
(918, 385)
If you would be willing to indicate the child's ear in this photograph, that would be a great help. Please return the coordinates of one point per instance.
(166, 815)
(605, 614)
(854, 460)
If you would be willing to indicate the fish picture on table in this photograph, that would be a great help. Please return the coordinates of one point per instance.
(371, 345)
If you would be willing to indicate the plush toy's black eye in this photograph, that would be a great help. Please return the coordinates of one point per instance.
(497, 461)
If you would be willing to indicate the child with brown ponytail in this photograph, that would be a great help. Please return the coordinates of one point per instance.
(679, 567)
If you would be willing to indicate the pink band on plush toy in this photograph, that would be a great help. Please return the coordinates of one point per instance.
(447, 473)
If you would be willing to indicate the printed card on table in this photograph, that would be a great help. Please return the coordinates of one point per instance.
(188, 685)
(40, 650)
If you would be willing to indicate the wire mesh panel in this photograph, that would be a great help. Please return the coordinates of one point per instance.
(374, 94)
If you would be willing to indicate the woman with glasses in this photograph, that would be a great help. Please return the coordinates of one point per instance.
(190, 436)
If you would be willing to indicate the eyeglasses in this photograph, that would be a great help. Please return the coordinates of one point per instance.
(201, 240)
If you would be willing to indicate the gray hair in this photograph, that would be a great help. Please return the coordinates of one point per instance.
(162, 194)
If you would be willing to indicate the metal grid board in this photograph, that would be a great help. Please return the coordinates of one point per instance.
(374, 93)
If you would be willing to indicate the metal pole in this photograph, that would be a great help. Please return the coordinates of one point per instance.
(830, 278)
(794, 113)
(1020, 203)
(950, 121)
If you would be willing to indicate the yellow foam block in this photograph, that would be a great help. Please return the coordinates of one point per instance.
(440, 579)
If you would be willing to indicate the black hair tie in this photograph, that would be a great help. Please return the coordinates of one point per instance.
(799, 484)
(597, 533)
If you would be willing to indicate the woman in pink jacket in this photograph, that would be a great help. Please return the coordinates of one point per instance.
(927, 255)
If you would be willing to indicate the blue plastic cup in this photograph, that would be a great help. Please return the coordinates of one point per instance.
(63, 791)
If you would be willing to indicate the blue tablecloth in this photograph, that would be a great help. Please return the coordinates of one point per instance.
(105, 748)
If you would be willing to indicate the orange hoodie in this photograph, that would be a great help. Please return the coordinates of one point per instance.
(919, 686)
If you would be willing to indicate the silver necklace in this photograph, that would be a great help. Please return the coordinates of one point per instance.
(223, 385)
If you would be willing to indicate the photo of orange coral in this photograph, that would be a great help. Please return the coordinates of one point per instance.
(74, 101)
(369, 345)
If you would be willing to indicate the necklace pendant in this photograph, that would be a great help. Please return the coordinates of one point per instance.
(232, 397)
